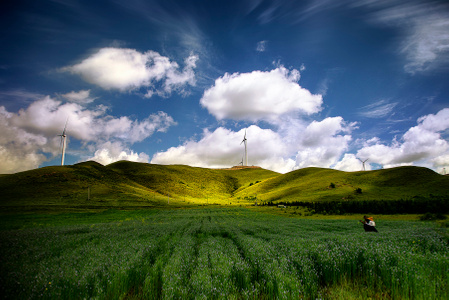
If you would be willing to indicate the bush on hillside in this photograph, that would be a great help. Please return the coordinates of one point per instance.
(432, 217)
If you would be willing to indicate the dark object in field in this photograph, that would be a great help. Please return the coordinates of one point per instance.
(369, 228)
(368, 224)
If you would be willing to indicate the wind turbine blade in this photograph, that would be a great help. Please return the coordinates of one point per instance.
(65, 126)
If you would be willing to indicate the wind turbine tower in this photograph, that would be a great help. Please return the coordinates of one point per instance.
(363, 162)
(246, 151)
(63, 142)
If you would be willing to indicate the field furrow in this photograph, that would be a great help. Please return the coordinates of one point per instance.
(221, 254)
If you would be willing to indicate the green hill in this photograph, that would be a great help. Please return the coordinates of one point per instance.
(190, 183)
(67, 186)
(130, 184)
(315, 184)
(123, 184)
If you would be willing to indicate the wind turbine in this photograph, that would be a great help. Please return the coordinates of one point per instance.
(63, 142)
(363, 162)
(241, 163)
(246, 152)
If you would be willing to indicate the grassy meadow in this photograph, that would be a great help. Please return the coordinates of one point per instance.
(142, 231)
(131, 185)
(218, 253)
(319, 184)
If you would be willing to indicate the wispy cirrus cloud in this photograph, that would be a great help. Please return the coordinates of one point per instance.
(380, 109)
(425, 24)
(82, 97)
(18, 96)
(261, 46)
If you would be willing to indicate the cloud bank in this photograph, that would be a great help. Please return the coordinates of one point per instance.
(276, 98)
(30, 136)
(292, 142)
(320, 144)
(422, 144)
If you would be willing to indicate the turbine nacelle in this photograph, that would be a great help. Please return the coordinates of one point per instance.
(63, 142)
(246, 151)
(244, 139)
(363, 162)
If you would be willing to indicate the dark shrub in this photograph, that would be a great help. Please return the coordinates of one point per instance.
(430, 217)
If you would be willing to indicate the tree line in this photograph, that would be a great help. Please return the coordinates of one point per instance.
(414, 205)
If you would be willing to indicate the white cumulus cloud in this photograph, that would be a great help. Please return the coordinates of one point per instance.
(420, 144)
(350, 163)
(110, 152)
(30, 136)
(322, 143)
(222, 148)
(259, 96)
(319, 144)
(128, 69)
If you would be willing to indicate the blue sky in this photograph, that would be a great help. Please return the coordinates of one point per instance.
(313, 83)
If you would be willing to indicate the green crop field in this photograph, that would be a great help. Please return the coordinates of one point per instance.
(232, 253)
(143, 231)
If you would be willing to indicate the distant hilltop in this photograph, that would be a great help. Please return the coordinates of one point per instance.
(130, 184)
(241, 167)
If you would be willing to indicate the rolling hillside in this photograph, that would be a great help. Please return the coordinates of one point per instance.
(314, 184)
(123, 184)
(130, 184)
(189, 182)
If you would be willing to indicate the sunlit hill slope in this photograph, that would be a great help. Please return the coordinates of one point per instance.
(124, 184)
(318, 184)
(130, 184)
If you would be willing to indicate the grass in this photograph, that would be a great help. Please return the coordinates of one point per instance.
(130, 185)
(314, 184)
(190, 183)
(122, 185)
(135, 238)
(218, 253)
